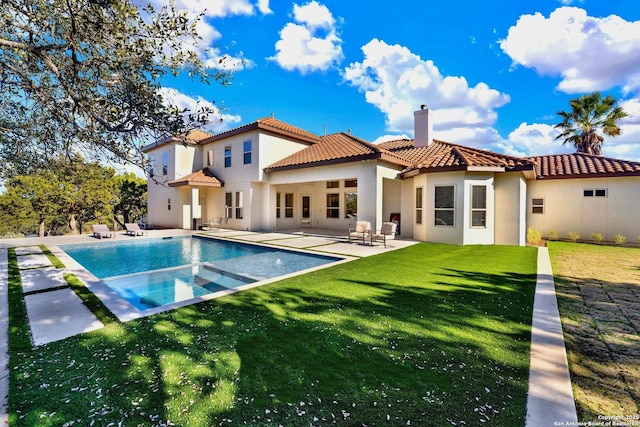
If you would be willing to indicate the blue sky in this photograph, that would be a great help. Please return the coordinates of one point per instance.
(493, 73)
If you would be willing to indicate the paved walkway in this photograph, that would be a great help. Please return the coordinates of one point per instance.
(550, 398)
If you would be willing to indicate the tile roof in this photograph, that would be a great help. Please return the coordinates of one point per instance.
(441, 156)
(201, 178)
(580, 165)
(197, 135)
(336, 148)
(269, 124)
(193, 137)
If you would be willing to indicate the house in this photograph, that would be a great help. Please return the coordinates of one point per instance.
(269, 175)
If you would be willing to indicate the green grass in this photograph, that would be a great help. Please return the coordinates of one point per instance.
(429, 335)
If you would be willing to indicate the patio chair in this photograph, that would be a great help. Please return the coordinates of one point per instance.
(133, 229)
(360, 232)
(213, 224)
(101, 230)
(387, 232)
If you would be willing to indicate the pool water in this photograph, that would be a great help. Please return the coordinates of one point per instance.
(155, 272)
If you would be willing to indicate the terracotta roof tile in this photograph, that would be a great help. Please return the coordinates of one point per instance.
(336, 148)
(445, 156)
(269, 124)
(582, 165)
(201, 178)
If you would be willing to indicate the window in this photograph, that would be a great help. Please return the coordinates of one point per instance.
(419, 205)
(333, 205)
(333, 184)
(351, 205)
(537, 206)
(247, 152)
(598, 192)
(348, 183)
(478, 205)
(288, 205)
(165, 162)
(227, 156)
(168, 204)
(228, 207)
(239, 205)
(209, 157)
(444, 205)
(277, 205)
(152, 161)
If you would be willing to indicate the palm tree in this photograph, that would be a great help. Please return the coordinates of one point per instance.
(588, 114)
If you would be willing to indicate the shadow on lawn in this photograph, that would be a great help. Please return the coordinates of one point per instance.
(345, 351)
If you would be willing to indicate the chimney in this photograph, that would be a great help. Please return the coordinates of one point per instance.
(422, 127)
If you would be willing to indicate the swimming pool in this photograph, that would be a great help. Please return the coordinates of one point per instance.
(152, 273)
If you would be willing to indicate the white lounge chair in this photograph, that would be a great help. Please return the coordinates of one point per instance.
(387, 232)
(213, 224)
(101, 230)
(133, 229)
(361, 232)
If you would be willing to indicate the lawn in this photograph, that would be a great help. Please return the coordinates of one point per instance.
(430, 335)
(598, 290)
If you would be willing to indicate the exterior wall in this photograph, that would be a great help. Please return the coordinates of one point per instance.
(392, 199)
(165, 204)
(478, 235)
(510, 209)
(313, 182)
(438, 233)
(566, 209)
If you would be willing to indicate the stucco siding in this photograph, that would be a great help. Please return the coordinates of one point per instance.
(566, 209)
(454, 234)
(510, 209)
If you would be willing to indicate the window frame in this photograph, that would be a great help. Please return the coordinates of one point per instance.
(419, 205)
(228, 204)
(593, 192)
(479, 209)
(288, 205)
(278, 204)
(333, 205)
(165, 162)
(441, 209)
(246, 154)
(227, 156)
(239, 205)
(350, 199)
(537, 205)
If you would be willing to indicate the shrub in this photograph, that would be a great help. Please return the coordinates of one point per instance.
(553, 235)
(619, 239)
(533, 236)
(573, 236)
(597, 238)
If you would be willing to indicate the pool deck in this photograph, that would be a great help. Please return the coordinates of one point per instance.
(50, 303)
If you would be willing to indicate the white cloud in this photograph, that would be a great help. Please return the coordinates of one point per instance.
(588, 53)
(206, 49)
(385, 138)
(398, 81)
(311, 42)
(174, 97)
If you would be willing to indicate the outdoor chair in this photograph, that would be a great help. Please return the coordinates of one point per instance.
(213, 224)
(101, 230)
(362, 231)
(387, 232)
(133, 229)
